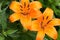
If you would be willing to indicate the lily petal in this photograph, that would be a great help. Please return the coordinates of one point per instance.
(51, 31)
(35, 26)
(48, 14)
(36, 5)
(14, 17)
(35, 13)
(15, 6)
(40, 35)
(26, 22)
(55, 22)
(24, 2)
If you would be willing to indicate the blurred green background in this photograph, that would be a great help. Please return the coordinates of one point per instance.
(15, 31)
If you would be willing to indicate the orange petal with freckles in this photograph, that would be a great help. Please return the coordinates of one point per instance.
(36, 5)
(40, 35)
(15, 6)
(24, 2)
(26, 22)
(51, 32)
(14, 17)
(35, 26)
(35, 13)
(48, 14)
(55, 22)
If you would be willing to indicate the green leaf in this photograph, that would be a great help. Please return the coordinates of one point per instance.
(58, 35)
(0, 6)
(2, 38)
(3, 18)
(4, 33)
(10, 31)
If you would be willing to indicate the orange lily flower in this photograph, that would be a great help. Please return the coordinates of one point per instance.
(44, 25)
(24, 11)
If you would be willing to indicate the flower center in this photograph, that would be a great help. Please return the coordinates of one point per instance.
(44, 24)
(25, 9)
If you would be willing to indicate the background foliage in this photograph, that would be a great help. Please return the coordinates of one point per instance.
(15, 31)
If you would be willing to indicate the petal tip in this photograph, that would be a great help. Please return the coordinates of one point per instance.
(11, 19)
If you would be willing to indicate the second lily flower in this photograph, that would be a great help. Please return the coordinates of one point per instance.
(45, 25)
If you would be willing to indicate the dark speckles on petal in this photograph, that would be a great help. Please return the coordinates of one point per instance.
(24, 4)
(49, 21)
(34, 19)
(41, 23)
(28, 5)
(47, 17)
(21, 9)
(24, 13)
(43, 17)
(21, 6)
